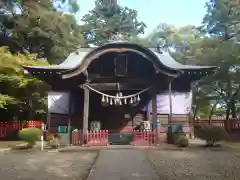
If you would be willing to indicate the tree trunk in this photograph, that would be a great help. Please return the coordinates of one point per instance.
(233, 109)
(226, 122)
(212, 111)
(192, 117)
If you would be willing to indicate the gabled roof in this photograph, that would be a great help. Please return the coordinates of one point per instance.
(76, 59)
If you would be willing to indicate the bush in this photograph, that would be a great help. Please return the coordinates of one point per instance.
(54, 135)
(30, 135)
(173, 136)
(211, 134)
(54, 143)
(53, 140)
(182, 141)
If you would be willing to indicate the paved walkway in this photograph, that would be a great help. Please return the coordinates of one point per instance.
(125, 164)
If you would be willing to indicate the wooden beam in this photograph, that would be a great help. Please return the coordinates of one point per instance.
(85, 114)
(122, 86)
(120, 79)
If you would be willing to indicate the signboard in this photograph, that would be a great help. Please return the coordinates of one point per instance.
(58, 102)
(158, 122)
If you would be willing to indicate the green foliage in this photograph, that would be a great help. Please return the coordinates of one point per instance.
(30, 135)
(211, 134)
(5, 100)
(169, 36)
(172, 136)
(193, 46)
(181, 141)
(222, 18)
(106, 20)
(216, 43)
(53, 140)
(18, 88)
(43, 28)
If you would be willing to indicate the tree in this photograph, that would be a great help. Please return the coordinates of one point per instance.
(144, 41)
(17, 89)
(178, 41)
(222, 18)
(107, 20)
(188, 43)
(222, 22)
(42, 28)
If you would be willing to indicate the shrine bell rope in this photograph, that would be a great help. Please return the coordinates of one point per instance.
(121, 97)
(105, 97)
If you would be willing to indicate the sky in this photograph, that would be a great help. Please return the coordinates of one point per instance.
(176, 12)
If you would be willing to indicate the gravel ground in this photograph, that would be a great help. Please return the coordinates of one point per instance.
(196, 165)
(45, 165)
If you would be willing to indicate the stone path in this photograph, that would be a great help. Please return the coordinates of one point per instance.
(124, 164)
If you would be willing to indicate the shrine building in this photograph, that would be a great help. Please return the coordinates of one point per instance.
(119, 87)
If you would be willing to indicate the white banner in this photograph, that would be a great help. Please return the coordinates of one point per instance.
(181, 103)
(58, 102)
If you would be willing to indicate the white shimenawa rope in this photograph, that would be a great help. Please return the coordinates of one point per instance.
(116, 97)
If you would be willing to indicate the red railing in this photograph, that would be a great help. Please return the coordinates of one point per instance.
(214, 122)
(97, 138)
(77, 138)
(143, 138)
(234, 123)
(8, 127)
(94, 138)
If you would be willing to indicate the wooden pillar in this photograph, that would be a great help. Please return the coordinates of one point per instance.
(69, 118)
(170, 102)
(154, 105)
(154, 113)
(48, 122)
(85, 114)
(48, 118)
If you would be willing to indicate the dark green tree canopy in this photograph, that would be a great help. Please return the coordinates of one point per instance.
(41, 27)
(108, 19)
(222, 18)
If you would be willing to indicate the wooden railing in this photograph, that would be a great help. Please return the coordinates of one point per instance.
(97, 138)
(234, 124)
(77, 138)
(143, 138)
(94, 138)
(7, 128)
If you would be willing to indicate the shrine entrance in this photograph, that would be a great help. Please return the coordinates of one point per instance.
(118, 120)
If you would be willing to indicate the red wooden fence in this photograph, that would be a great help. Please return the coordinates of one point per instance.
(77, 138)
(97, 138)
(234, 123)
(94, 138)
(8, 127)
(143, 138)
